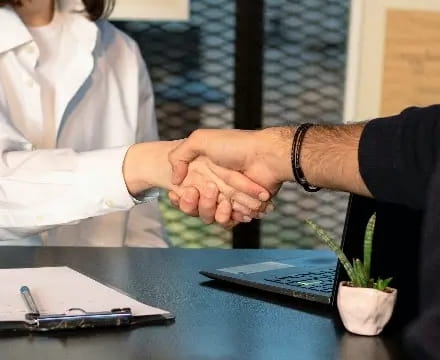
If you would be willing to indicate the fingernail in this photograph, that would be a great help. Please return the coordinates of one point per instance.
(263, 196)
(269, 208)
(246, 219)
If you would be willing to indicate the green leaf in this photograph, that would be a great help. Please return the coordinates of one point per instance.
(323, 236)
(360, 273)
(382, 284)
(357, 280)
(368, 244)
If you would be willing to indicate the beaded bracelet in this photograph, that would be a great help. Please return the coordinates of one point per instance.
(295, 158)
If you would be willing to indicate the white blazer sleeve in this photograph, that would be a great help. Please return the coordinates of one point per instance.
(40, 189)
(145, 225)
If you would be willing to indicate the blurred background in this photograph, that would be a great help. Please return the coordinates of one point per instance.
(193, 73)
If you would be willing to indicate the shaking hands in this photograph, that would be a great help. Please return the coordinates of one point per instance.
(229, 176)
(206, 189)
(249, 160)
(242, 160)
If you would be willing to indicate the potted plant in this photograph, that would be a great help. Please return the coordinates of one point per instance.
(365, 305)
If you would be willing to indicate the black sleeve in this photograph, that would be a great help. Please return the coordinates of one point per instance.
(397, 155)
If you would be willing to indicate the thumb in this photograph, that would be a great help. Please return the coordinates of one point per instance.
(181, 156)
(180, 169)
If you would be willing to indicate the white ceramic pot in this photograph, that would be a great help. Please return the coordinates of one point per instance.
(365, 311)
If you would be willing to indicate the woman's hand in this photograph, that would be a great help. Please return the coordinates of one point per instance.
(222, 198)
(208, 208)
(146, 165)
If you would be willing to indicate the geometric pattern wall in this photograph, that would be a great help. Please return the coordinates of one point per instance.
(305, 52)
(192, 69)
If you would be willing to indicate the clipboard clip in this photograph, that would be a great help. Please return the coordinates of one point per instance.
(74, 318)
(77, 318)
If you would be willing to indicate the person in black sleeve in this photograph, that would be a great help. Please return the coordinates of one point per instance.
(393, 159)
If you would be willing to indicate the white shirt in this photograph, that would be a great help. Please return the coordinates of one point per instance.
(49, 69)
(104, 102)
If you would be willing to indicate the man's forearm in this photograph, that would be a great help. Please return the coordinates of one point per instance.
(328, 156)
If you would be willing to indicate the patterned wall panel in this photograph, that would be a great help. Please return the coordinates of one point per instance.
(192, 68)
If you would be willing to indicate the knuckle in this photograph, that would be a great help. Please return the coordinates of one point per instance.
(246, 200)
(228, 176)
(230, 193)
(196, 134)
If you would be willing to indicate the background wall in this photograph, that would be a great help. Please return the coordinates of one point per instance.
(192, 68)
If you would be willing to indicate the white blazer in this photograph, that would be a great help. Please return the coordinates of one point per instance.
(74, 189)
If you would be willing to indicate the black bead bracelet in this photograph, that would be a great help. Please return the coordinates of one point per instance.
(295, 158)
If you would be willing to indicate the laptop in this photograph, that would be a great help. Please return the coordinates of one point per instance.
(314, 276)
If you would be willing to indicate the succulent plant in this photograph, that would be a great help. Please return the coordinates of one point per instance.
(358, 271)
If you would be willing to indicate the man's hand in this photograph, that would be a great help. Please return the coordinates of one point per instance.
(263, 156)
(217, 196)
(329, 155)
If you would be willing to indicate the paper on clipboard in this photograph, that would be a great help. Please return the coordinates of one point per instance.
(57, 289)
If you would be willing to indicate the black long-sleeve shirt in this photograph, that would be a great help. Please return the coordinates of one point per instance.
(400, 163)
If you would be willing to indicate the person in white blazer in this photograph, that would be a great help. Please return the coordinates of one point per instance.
(75, 95)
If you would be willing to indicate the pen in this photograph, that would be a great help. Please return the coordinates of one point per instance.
(28, 299)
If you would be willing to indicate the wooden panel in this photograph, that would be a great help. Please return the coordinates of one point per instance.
(411, 70)
(151, 10)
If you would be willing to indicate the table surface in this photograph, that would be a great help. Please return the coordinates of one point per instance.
(213, 320)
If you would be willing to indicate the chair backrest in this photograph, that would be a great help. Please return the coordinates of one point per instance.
(396, 246)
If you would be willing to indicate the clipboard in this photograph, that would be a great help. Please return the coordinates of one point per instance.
(60, 298)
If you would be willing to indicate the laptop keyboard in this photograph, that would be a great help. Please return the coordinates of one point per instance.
(321, 280)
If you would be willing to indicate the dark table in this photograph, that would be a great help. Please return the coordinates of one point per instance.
(213, 321)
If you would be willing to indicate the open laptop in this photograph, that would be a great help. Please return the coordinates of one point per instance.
(314, 276)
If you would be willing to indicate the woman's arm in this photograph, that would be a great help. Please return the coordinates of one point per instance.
(40, 189)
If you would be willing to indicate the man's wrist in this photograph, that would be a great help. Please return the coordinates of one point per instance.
(329, 157)
(276, 143)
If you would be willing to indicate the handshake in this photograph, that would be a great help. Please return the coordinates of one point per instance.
(226, 176)
(230, 176)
